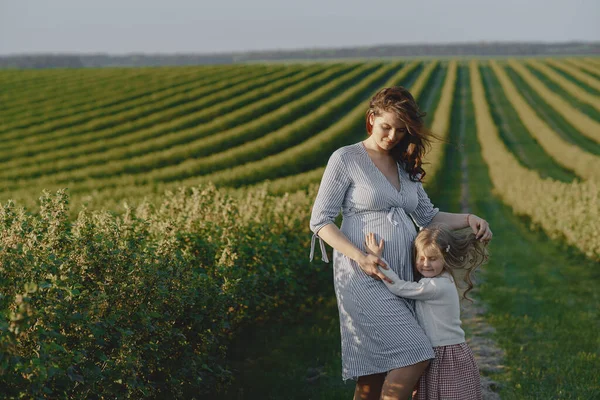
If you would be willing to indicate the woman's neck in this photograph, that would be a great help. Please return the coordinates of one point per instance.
(370, 144)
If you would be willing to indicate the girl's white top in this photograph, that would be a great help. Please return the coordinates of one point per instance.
(438, 308)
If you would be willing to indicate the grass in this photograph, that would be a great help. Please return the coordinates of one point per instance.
(432, 92)
(515, 135)
(299, 362)
(556, 121)
(442, 194)
(585, 108)
(542, 298)
(574, 80)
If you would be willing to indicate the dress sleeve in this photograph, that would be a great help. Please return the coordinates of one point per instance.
(329, 200)
(425, 289)
(425, 210)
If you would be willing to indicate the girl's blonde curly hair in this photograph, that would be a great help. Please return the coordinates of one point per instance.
(460, 250)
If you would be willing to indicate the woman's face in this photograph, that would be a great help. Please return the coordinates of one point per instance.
(388, 130)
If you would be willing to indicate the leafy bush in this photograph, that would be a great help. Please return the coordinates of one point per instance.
(144, 304)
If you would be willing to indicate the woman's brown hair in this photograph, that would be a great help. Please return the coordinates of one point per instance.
(411, 149)
(460, 250)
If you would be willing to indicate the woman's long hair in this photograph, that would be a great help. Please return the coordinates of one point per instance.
(460, 250)
(412, 148)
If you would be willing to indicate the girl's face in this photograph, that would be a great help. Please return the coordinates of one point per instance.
(388, 130)
(430, 262)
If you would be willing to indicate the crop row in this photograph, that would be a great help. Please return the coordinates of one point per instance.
(131, 113)
(441, 124)
(515, 135)
(551, 117)
(305, 180)
(429, 96)
(589, 82)
(584, 124)
(95, 194)
(36, 107)
(592, 60)
(196, 170)
(586, 67)
(116, 96)
(205, 104)
(350, 97)
(37, 103)
(574, 90)
(108, 108)
(570, 156)
(266, 135)
(582, 106)
(93, 80)
(177, 147)
(565, 211)
(69, 110)
(310, 153)
(293, 87)
(35, 86)
(343, 132)
(217, 155)
(423, 78)
(25, 78)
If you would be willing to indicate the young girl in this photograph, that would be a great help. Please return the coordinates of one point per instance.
(438, 254)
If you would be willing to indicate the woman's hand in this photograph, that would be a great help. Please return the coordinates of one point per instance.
(370, 264)
(480, 228)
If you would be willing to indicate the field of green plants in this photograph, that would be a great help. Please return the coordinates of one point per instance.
(152, 218)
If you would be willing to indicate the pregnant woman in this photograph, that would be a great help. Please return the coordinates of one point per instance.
(376, 184)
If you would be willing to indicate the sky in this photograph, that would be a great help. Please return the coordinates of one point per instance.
(200, 26)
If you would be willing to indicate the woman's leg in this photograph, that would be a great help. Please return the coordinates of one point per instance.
(368, 387)
(399, 383)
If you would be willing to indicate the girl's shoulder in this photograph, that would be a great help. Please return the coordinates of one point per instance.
(443, 278)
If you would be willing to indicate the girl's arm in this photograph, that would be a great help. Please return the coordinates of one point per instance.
(479, 226)
(369, 263)
(425, 289)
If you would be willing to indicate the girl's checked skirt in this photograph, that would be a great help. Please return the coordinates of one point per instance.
(453, 374)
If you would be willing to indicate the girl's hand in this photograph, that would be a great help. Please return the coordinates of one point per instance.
(372, 246)
(480, 228)
(370, 264)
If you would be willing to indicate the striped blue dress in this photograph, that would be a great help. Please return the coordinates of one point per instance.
(379, 330)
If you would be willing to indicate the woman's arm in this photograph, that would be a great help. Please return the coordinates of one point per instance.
(369, 263)
(479, 226)
(327, 206)
(426, 214)
(454, 221)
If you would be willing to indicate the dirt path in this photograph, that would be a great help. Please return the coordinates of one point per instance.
(488, 355)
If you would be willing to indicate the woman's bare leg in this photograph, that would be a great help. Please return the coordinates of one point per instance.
(368, 387)
(399, 383)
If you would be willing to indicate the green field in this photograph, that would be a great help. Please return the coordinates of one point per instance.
(176, 261)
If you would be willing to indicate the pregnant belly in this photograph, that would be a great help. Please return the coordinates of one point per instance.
(398, 239)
